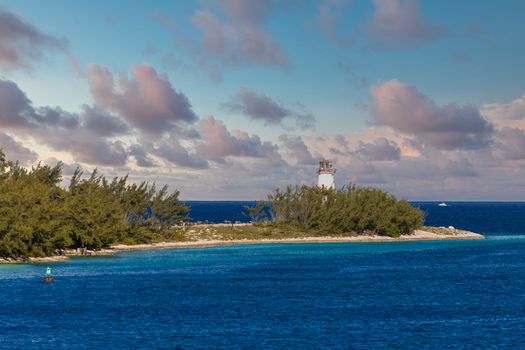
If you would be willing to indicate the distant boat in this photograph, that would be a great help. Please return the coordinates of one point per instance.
(442, 204)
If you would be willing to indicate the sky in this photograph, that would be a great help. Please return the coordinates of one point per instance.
(228, 100)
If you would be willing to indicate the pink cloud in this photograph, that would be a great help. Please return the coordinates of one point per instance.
(219, 143)
(243, 37)
(398, 22)
(147, 100)
(403, 108)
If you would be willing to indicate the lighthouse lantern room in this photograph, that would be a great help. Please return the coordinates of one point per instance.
(326, 174)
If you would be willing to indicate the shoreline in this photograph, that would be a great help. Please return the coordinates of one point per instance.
(418, 235)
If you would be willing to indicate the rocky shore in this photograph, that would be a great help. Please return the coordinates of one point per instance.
(62, 257)
(425, 234)
(418, 235)
(30, 260)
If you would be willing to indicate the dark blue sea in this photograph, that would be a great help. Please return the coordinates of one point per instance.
(405, 295)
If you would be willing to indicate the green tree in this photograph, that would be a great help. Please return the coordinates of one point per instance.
(38, 217)
(351, 209)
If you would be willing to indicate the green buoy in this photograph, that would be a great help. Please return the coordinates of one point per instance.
(48, 277)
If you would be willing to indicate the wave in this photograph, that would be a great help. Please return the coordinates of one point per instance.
(504, 237)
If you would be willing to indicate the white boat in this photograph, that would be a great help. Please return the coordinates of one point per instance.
(442, 204)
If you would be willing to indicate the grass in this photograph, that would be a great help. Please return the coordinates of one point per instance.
(249, 232)
(269, 231)
(438, 230)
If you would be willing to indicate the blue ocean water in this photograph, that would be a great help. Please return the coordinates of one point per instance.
(407, 295)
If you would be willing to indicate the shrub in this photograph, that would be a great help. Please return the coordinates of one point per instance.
(38, 217)
(351, 209)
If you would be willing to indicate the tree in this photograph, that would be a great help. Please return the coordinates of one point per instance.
(350, 209)
(40, 218)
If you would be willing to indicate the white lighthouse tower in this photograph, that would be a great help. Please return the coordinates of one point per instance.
(326, 175)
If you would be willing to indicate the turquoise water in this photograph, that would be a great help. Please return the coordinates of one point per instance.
(409, 295)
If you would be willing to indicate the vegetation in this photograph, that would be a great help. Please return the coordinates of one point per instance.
(350, 210)
(439, 230)
(40, 218)
(225, 232)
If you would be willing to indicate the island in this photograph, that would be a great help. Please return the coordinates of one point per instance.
(41, 220)
(224, 235)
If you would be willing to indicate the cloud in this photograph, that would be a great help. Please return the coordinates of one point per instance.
(403, 108)
(16, 150)
(110, 153)
(230, 33)
(242, 37)
(84, 145)
(297, 149)
(261, 107)
(447, 164)
(460, 167)
(399, 22)
(17, 111)
(515, 110)
(15, 108)
(102, 123)
(95, 136)
(171, 150)
(55, 116)
(68, 169)
(422, 173)
(147, 101)
(511, 143)
(257, 107)
(22, 44)
(84, 135)
(197, 61)
(141, 156)
(76, 66)
(380, 149)
(219, 143)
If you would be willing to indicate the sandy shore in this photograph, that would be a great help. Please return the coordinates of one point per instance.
(59, 258)
(418, 235)
(28, 260)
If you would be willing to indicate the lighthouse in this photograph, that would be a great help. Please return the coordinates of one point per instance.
(326, 175)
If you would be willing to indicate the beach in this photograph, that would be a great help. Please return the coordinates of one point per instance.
(418, 235)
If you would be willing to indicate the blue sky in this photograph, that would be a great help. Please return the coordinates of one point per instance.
(298, 80)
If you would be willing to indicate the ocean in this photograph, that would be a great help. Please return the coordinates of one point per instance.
(406, 295)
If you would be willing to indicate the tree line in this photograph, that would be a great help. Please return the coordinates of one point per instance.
(38, 217)
(352, 209)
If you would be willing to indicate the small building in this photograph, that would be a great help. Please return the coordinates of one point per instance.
(326, 174)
